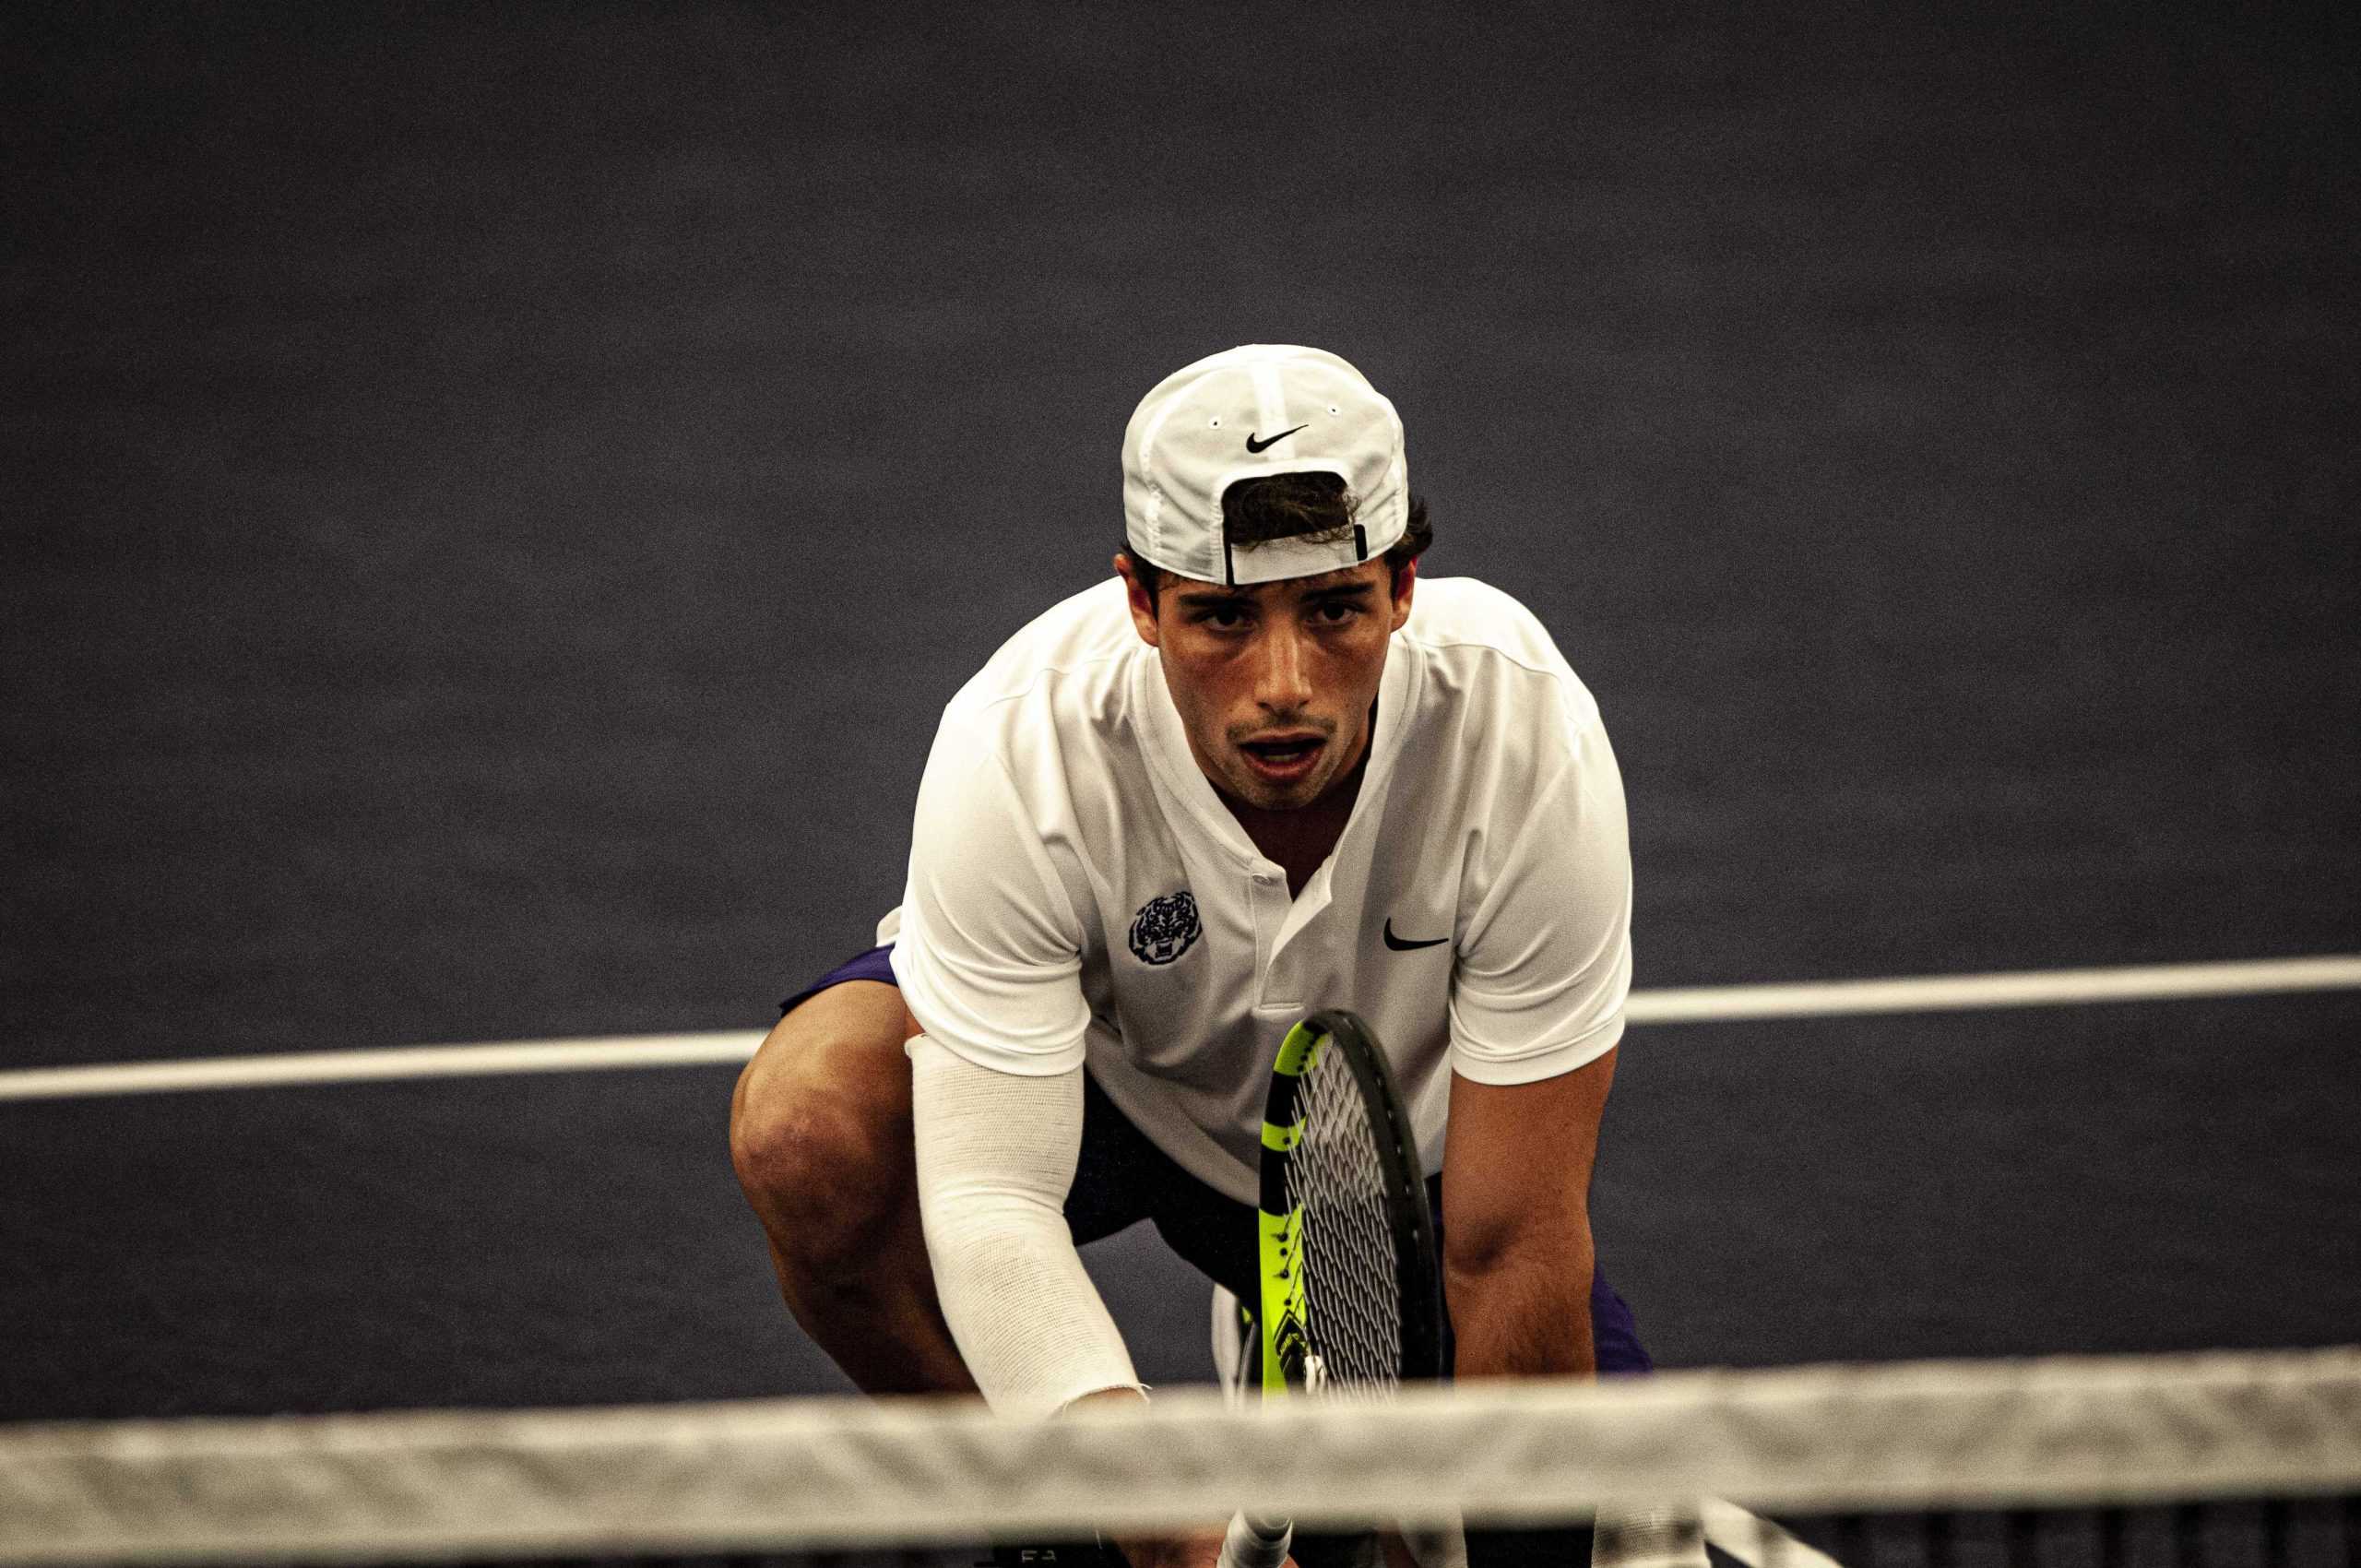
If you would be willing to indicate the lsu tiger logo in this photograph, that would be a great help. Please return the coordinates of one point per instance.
(1164, 928)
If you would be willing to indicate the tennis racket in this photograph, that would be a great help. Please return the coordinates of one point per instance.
(1351, 1295)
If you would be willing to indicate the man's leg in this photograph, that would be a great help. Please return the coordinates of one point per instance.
(820, 1135)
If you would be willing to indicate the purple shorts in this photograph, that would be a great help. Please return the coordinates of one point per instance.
(1122, 1178)
(873, 965)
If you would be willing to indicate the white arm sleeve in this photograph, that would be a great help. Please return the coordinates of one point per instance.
(996, 1155)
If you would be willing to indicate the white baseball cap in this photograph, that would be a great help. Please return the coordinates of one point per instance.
(1263, 409)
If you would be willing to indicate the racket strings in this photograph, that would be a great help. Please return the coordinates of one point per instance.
(1337, 1181)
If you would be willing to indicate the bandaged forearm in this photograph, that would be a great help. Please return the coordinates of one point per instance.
(996, 1155)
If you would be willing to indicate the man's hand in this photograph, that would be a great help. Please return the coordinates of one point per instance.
(1197, 1549)
(1190, 1549)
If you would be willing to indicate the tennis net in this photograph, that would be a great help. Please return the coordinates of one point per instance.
(2238, 1460)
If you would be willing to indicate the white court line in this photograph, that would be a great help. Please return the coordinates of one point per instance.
(1757, 1543)
(1725, 1004)
(2034, 988)
(393, 1061)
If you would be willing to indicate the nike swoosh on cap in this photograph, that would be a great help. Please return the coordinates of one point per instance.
(1254, 445)
(1399, 946)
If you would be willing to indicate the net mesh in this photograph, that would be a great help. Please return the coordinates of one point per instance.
(1337, 1181)
(2239, 1461)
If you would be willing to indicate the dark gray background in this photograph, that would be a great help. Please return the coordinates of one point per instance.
(495, 503)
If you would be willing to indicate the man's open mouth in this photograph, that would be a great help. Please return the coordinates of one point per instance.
(1283, 757)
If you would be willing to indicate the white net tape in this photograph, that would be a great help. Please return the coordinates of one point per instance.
(811, 1472)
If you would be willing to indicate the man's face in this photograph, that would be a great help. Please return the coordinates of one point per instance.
(1274, 680)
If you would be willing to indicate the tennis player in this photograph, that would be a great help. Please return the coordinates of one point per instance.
(1262, 768)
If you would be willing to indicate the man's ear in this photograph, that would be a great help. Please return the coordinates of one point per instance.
(1405, 583)
(1143, 611)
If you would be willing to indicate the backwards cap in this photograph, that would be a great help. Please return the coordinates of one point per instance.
(1263, 409)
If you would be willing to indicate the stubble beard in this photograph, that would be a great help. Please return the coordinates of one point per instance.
(1262, 793)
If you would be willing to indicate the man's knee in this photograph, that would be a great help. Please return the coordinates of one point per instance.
(813, 1159)
(820, 1125)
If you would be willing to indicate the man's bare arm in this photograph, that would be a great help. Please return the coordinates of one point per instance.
(1517, 1254)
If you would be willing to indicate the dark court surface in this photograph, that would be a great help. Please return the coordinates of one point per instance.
(494, 504)
(2160, 1177)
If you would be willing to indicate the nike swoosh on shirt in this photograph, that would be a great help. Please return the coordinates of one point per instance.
(1254, 445)
(1399, 946)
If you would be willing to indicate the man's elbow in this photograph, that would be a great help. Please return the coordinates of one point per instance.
(1519, 1296)
(1538, 1237)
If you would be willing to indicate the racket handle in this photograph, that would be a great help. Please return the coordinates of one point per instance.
(1256, 1543)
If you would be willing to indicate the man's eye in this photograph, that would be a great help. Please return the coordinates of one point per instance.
(1336, 612)
(1228, 618)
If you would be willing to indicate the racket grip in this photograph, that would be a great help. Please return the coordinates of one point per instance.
(1256, 1543)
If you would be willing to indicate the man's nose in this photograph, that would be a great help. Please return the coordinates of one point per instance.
(1283, 683)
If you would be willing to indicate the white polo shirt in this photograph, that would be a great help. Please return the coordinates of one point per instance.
(1079, 893)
